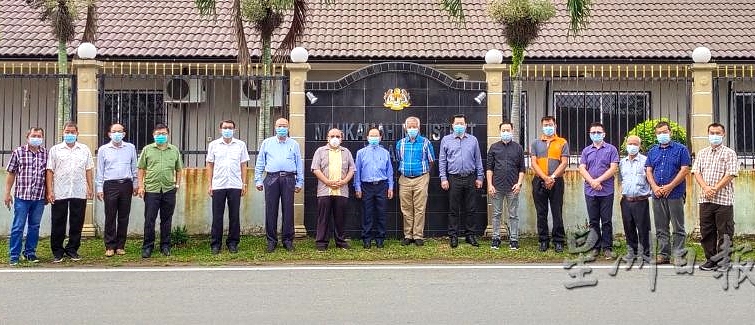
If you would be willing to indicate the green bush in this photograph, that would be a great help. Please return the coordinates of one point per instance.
(179, 236)
(646, 132)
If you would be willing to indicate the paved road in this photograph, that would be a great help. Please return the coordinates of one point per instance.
(366, 295)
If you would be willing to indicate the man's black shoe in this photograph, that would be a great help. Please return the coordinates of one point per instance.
(559, 247)
(215, 250)
(454, 241)
(543, 246)
(32, 258)
(366, 244)
(419, 242)
(289, 246)
(147, 252)
(379, 243)
(406, 241)
(233, 249)
(73, 255)
(165, 251)
(708, 266)
(472, 241)
(270, 247)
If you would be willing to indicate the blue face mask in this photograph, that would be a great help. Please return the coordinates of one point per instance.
(161, 139)
(506, 136)
(597, 137)
(549, 130)
(373, 141)
(663, 138)
(35, 142)
(413, 133)
(459, 129)
(281, 131)
(632, 149)
(69, 138)
(226, 133)
(715, 139)
(117, 136)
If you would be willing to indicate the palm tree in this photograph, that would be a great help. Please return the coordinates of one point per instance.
(522, 20)
(266, 16)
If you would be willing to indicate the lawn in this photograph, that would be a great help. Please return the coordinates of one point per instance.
(196, 252)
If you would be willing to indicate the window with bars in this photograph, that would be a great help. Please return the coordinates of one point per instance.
(137, 110)
(744, 121)
(619, 112)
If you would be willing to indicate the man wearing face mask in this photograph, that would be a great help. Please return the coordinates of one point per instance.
(26, 169)
(334, 166)
(635, 207)
(460, 168)
(549, 156)
(715, 168)
(505, 174)
(597, 165)
(160, 168)
(373, 183)
(415, 157)
(226, 172)
(280, 158)
(69, 186)
(667, 166)
(116, 183)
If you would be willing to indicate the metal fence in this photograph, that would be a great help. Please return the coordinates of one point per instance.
(734, 106)
(190, 100)
(31, 100)
(620, 97)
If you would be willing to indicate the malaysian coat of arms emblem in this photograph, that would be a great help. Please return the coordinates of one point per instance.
(396, 99)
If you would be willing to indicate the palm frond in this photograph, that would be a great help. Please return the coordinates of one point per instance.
(579, 11)
(206, 7)
(295, 31)
(454, 9)
(90, 27)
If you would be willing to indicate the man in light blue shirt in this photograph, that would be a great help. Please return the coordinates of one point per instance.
(280, 159)
(635, 209)
(373, 183)
(116, 184)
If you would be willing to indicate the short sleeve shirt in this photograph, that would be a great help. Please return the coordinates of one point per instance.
(227, 159)
(69, 166)
(666, 163)
(160, 167)
(713, 165)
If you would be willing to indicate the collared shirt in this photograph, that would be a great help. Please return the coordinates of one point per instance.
(506, 161)
(334, 167)
(30, 168)
(160, 167)
(632, 175)
(548, 152)
(227, 159)
(321, 161)
(666, 163)
(116, 162)
(598, 160)
(69, 166)
(414, 156)
(373, 164)
(460, 155)
(713, 164)
(279, 156)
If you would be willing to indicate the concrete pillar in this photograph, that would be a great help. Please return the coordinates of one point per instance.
(298, 75)
(701, 117)
(494, 77)
(87, 120)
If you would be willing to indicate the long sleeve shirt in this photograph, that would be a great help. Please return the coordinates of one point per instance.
(460, 155)
(279, 156)
(116, 162)
(373, 163)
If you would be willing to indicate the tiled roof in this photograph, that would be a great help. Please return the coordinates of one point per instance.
(400, 29)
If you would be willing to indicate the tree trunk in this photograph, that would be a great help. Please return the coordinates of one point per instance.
(263, 120)
(516, 96)
(63, 111)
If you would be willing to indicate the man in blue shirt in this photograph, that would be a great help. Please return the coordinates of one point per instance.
(415, 157)
(116, 183)
(280, 158)
(635, 210)
(667, 166)
(373, 183)
(460, 168)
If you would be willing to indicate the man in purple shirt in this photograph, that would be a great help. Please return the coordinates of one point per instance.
(597, 165)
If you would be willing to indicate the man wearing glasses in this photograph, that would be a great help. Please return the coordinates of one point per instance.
(597, 165)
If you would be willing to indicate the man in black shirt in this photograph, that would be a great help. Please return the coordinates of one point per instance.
(505, 173)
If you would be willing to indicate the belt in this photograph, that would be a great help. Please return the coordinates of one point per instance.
(636, 198)
(462, 174)
(414, 176)
(281, 174)
(119, 181)
(374, 182)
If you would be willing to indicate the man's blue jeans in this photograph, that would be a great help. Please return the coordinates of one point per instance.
(25, 212)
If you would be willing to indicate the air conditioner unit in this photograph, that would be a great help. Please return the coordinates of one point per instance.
(251, 93)
(184, 90)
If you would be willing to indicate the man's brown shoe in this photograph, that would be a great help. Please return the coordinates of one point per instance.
(660, 259)
(120, 251)
(109, 253)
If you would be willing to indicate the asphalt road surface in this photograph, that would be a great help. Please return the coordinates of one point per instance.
(422, 294)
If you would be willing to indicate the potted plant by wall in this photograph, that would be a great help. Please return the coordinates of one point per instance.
(646, 132)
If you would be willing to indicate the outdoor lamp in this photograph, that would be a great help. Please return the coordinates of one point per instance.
(493, 57)
(299, 55)
(86, 51)
(480, 97)
(311, 97)
(701, 55)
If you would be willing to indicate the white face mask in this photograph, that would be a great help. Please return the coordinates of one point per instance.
(334, 142)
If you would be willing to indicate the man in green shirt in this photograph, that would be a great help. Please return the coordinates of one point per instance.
(159, 178)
